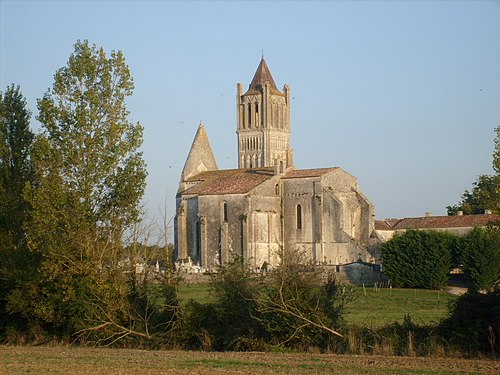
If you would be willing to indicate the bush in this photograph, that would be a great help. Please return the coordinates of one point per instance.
(473, 325)
(479, 255)
(418, 259)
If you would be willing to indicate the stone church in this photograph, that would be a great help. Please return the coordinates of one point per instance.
(266, 205)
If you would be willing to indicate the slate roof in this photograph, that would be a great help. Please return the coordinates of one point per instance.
(229, 181)
(304, 173)
(436, 222)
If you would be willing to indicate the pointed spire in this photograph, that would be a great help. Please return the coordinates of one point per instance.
(200, 157)
(262, 75)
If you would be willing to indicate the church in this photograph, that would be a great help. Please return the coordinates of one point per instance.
(266, 205)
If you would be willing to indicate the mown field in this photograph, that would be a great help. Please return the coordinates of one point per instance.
(370, 308)
(71, 360)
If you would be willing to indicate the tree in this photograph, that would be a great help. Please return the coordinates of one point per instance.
(485, 194)
(15, 172)
(418, 259)
(301, 306)
(479, 255)
(15, 164)
(90, 179)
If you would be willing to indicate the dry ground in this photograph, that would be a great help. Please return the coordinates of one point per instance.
(71, 360)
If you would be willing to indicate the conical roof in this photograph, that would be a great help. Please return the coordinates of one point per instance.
(201, 157)
(262, 75)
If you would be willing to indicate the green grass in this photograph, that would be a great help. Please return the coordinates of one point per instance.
(375, 309)
(199, 293)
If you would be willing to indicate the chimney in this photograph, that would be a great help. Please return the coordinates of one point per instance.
(460, 213)
(428, 214)
(487, 212)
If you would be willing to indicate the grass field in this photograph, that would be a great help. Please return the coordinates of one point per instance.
(370, 308)
(71, 360)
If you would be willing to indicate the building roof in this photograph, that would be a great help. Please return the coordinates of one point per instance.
(436, 222)
(200, 157)
(304, 173)
(229, 181)
(262, 75)
(240, 181)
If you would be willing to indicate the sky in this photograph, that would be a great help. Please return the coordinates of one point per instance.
(403, 95)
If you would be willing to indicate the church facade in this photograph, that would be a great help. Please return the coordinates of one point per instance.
(266, 206)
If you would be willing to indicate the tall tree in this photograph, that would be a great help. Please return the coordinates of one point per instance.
(91, 177)
(15, 172)
(15, 164)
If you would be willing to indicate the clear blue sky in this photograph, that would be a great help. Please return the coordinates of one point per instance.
(403, 95)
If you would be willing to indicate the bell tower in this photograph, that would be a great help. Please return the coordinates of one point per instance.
(263, 122)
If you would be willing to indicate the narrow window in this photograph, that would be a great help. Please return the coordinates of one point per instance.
(299, 217)
(224, 213)
(281, 167)
(256, 107)
(277, 189)
(198, 242)
(249, 115)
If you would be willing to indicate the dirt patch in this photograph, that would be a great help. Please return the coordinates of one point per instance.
(69, 360)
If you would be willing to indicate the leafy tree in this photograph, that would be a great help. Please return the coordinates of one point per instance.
(90, 179)
(15, 164)
(232, 322)
(418, 259)
(15, 171)
(302, 307)
(479, 255)
(485, 194)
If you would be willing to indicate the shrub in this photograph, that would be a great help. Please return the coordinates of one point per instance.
(473, 325)
(479, 255)
(418, 259)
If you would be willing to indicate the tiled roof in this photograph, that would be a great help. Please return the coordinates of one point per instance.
(229, 181)
(436, 222)
(382, 225)
(304, 173)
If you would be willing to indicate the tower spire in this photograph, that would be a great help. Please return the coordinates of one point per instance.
(262, 74)
(200, 157)
(263, 122)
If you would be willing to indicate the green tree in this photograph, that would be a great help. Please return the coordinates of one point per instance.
(90, 179)
(418, 259)
(301, 306)
(485, 194)
(15, 164)
(479, 255)
(15, 172)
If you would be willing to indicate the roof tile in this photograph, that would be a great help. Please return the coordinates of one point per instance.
(436, 222)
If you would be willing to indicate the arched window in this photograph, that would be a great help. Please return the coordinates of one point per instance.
(277, 189)
(299, 217)
(224, 212)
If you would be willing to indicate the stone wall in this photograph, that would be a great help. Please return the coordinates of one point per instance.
(357, 273)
